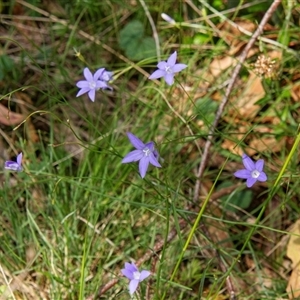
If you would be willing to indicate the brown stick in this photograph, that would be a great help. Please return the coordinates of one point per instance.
(225, 99)
(242, 58)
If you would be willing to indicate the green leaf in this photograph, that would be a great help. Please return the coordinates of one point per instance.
(201, 39)
(240, 199)
(141, 50)
(207, 107)
(133, 42)
(6, 65)
(131, 34)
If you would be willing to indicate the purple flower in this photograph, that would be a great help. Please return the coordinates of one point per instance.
(105, 76)
(14, 166)
(145, 153)
(132, 273)
(253, 171)
(93, 82)
(167, 69)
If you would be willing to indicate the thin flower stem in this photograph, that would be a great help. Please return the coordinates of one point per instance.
(225, 99)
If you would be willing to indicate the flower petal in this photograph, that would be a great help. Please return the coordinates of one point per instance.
(156, 154)
(83, 84)
(169, 78)
(248, 163)
(92, 94)
(98, 74)
(19, 159)
(101, 85)
(178, 67)
(244, 174)
(157, 74)
(11, 165)
(144, 274)
(153, 160)
(131, 267)
(88, 75)
(143, 166)
(135, 141)
(132, 156)
(250, 181)
(83, 91)
(172, 59)
(127, 274)
(133, 286)
(262, 177)
(259, 165)
(150, 146)
(162, 65)
(106, 76)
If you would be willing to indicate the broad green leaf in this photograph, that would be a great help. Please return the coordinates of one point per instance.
(240, 199)
(206, 107)
(142, 49)
(131, 34)
(134, 43)
(6, 65)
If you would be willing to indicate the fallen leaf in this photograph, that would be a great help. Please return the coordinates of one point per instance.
(293, 247)
(295, 92)
(252, 92)
(265, 143)
(293, 287)
(8, 117)
(32, 135)
(218, 65)
(293, 250)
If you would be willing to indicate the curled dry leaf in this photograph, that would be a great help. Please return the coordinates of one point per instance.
(253, 91)
(219, 65)
(8, 117)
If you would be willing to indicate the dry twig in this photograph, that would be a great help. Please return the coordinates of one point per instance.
(225, 99)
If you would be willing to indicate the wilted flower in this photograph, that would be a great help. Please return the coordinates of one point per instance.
(168, 19)
(14, 166)
(145, 153)
(167, 69)
(93, 82)
(105, 75)
(132, 273)
(253, 171)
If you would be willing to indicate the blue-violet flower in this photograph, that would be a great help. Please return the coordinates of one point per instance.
(167, 69)
(253, 171)
(132, 273)
(145, 153)
(14, 166)
(93, 83)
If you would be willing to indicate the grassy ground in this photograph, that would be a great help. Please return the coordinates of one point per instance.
(76, 214)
